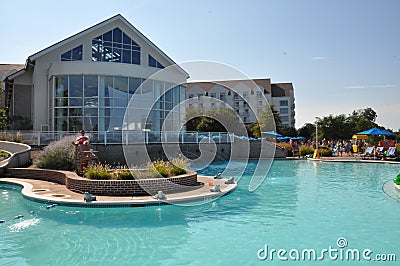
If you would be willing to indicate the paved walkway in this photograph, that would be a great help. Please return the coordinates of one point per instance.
(53, 193)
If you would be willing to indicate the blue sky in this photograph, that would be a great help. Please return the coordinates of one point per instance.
(340, 55)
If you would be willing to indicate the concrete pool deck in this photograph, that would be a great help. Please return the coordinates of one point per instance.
(356, 158)
(53, 193)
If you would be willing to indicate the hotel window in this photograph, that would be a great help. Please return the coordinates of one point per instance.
(284, 111)
(236, 104)
(199, 95)
(73, 55)
(154, 63)
(190, 96)
(222, 96)
(285, 118)
(115, 46)
(235, 96)
(213, 95)
(284, 103)
(259, 95)
(245, 94)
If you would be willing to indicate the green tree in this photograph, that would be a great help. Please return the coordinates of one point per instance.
(214, 120)
(307, 130)
(268, 120)
(344, 126)
(288, 131)
(360, 120)
(193, 118)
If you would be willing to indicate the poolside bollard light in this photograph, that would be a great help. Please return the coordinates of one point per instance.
(218, 176)
(160, 195)
(216, 188)
(231, 180)
(88, 197)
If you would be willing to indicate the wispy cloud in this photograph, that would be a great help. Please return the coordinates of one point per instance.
(315, 58)
(385, 86)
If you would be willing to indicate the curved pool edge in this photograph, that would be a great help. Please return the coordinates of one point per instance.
(194, 196)
(391, 190)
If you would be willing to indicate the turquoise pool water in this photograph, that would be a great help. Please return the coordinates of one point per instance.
(301, 205)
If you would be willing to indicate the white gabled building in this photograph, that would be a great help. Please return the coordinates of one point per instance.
(244, 96)
(86, 81)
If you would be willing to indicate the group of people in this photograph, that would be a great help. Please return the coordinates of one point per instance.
(339, 147)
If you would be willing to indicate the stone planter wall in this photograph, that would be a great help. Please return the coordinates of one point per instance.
(109, 187)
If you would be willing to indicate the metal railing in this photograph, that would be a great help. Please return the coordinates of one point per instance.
(43, 138)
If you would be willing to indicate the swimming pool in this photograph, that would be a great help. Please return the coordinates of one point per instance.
(302, 205)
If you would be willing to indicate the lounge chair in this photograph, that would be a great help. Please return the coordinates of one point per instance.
(368, 152)
(379, 154)
(391, 152)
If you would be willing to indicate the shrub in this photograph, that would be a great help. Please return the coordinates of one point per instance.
(159, 168)
(179, 166)
(305, 150)
(326, 152)
(125, 174)
(98, 172)
(58, 155)
(288, 147)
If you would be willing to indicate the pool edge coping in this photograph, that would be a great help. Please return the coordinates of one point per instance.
(27, 193)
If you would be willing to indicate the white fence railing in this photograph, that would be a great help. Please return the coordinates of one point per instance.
(41, 138)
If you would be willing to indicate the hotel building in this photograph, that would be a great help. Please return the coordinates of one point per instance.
(242, 95)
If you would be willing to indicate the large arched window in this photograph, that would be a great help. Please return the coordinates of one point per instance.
(115, 46)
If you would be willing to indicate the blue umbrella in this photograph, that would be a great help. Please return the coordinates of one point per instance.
(375, 131)
(276, 134)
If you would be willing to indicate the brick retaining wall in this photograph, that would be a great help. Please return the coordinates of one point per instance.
(109, 187)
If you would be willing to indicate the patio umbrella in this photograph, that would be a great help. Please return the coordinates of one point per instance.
(363, 137)
(276, 134)
(376, 131)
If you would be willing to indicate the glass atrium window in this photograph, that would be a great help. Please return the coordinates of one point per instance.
(115, 46)
(99, 103)
(73, 55)
(154, 63)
